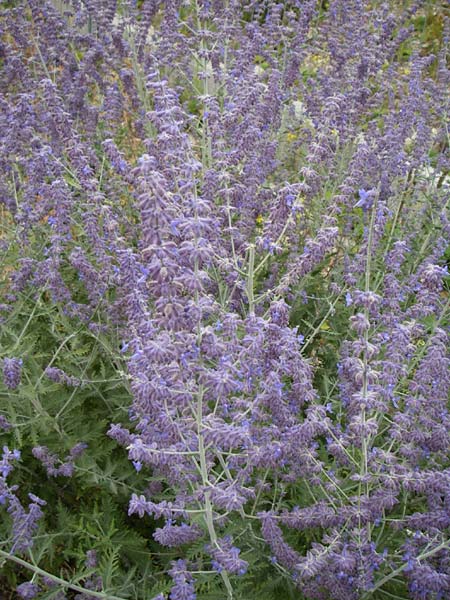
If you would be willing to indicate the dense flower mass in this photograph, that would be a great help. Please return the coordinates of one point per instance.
(28, 590)
(12, 369)
(225, 302)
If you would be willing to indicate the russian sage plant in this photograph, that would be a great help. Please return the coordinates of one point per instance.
(225, 299)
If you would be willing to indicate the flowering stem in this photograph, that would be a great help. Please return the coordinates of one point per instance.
(230, 225)
(391, 236)
(400, 569)
(204, 473)
(365, 442)
(250, 279)
(277, 242)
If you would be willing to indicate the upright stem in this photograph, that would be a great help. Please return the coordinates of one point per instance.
(208, 516)
(250, 281)
(364, 441)
(402, 567)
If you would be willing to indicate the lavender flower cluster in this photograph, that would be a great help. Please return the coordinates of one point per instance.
(252, 197)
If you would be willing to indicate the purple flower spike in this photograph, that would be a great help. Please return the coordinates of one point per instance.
(28, 590)
(12, 370)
